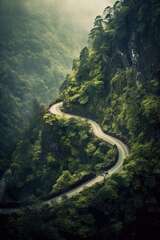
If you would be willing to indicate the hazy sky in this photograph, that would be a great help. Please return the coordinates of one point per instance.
(81, 12)
(84, 11)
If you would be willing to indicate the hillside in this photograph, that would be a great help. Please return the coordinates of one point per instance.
(58, 154)
(115, 81)
(36, 52)
(119, 76)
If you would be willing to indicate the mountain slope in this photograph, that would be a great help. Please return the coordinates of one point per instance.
(116, 81)
(120, 70)
(36, 51)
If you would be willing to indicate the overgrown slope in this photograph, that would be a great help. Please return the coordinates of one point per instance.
(119, 71)
(54, 156)
(117, 81)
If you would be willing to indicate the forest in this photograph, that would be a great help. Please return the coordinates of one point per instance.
(116, 82)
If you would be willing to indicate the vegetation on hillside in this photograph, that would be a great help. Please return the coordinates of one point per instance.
(55, 155)
(117, 81)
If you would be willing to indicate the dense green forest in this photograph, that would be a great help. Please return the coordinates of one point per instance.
(36, 52)
(116, 81)
(59, 153)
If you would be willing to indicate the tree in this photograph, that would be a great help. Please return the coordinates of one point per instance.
(63, 181)
(96, 34)
(83, 71)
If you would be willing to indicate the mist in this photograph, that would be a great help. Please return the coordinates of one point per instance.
(82, 13)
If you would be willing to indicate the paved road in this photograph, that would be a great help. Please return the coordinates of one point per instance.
(123, 152)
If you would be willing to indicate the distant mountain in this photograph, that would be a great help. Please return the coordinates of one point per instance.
(37, 46)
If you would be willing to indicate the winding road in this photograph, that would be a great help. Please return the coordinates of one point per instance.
(123, 150)
(123, 153)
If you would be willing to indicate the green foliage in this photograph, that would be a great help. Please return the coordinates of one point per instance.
(123, 59)
(63, 181)
(58, 155)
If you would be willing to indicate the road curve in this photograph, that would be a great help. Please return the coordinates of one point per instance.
(123, 152)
